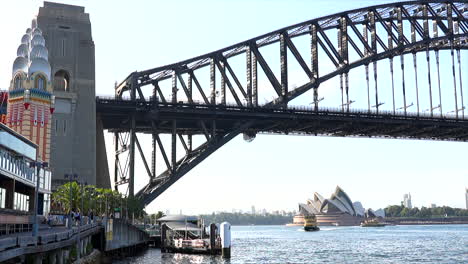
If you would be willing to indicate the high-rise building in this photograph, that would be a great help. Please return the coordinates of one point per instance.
(466, 197)
(253, 210)
(407, 201)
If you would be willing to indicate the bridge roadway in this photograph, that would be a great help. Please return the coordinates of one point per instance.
(197, 119)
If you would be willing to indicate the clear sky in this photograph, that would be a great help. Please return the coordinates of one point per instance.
(272, 172)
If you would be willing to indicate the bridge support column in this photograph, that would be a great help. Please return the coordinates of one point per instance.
(78, 249)
(212, 237)
(88, 241)
(60, 256)
(52, 257)
(83, 247)
(37, 259)
(66, 255)
(163, 238)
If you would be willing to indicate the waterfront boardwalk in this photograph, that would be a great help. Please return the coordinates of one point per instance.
(51, 240)
(58, 244)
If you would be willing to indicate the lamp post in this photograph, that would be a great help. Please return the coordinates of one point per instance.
(106, 205)
(70, 177)
(82, 202)
(38, 165)
(92, 193)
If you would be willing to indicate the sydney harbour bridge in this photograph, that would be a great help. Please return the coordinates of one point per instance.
(391, 71)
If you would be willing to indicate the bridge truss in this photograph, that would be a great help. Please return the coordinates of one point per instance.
(204, 102)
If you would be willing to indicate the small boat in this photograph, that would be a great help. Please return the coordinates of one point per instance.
(310, 223)
(372, 223)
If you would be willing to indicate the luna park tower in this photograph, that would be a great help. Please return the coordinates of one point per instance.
(30, 99)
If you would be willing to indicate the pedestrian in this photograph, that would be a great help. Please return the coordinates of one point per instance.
(72, 216)
(77, 217)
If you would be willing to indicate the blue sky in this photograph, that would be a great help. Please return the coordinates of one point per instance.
(272, 172)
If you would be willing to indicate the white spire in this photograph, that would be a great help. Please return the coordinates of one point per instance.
(32, 54)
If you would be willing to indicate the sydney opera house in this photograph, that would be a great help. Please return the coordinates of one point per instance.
(337, 210)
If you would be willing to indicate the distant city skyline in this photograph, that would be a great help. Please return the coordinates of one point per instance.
(407, 201)
(272, 172)
(253, 209)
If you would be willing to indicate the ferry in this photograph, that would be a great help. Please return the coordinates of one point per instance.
(310, 223)
(372, 223)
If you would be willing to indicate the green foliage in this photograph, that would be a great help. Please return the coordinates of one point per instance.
(154, 217)
(73, 253)
(89, 248)
(247, 219)
(86, 198)
(424, 212)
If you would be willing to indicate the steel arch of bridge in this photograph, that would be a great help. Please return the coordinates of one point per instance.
(382, 36)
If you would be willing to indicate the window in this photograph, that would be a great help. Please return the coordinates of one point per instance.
(18, 84)
(2, 197)
(35, 116)
(61, 81)
(40, 82)
(56, 126)
(64, 127)
(63, 47)
(42, 117)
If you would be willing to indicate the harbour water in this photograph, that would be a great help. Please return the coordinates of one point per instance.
(281, 244)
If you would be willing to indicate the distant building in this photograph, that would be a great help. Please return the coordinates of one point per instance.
(380, 212)
(466, 197)
(359, 208)
(336, 210)
(433, 205)
(252, 210)
(407, 201)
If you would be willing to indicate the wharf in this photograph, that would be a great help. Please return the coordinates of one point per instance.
(181, 234)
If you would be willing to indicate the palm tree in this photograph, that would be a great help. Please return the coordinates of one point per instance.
(62, 196)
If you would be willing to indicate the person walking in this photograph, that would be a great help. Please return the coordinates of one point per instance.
(72, 217)
(91, 216)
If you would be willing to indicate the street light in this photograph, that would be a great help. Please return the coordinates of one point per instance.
(82, 202)
(38, 165)
(92, 193)
(70, 177)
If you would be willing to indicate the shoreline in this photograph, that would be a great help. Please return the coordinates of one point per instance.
(459, 220)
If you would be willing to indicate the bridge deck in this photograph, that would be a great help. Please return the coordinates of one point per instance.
(330, 122)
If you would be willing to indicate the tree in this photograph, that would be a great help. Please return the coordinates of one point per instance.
(99, 200)
(405, 212)
(61, 197)
(393, 210)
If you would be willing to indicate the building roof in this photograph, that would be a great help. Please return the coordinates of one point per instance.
(32, 54)
(179, 226)
(178, 218)
(339, 202)
(17, 143)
